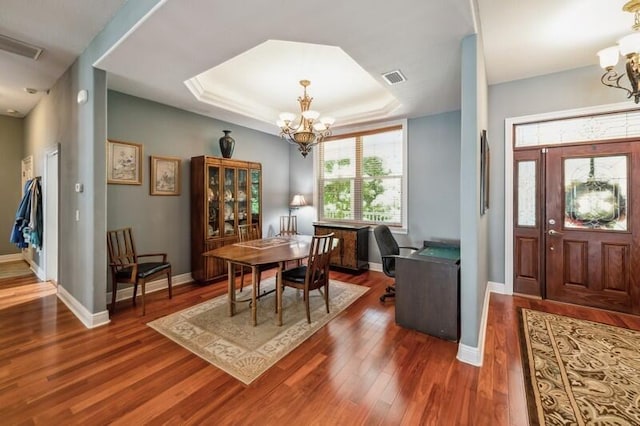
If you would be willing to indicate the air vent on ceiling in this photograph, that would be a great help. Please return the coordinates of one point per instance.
(394, 77)
(19, 47)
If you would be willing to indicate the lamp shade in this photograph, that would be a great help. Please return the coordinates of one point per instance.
(629, 44)
(298, 201)
(609, 57)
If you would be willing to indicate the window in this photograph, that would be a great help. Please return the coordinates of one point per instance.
(361, 177)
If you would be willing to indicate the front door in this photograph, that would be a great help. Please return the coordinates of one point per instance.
(591, 225)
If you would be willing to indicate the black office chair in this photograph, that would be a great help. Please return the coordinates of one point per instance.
(389, 250)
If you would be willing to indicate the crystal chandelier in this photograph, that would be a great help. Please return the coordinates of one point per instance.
(306, 130)
(629, 47)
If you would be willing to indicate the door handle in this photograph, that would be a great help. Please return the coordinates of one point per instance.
(554, 232)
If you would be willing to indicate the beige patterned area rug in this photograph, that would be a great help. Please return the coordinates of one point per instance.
(579, 372)
(235, 346)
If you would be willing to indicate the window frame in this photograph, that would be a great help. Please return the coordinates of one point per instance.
(364, 131)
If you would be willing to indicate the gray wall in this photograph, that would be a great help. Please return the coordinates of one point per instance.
(80, 130)
(577, 88)
(11, 135)
(433, 182)
(162, 223)
(473, 226)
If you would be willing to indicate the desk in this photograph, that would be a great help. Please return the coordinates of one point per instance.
(428, 290)
(261, 252)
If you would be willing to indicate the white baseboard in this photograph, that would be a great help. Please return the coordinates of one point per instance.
(375, 267)
(37, 270)
(157, 285)
(474, 355)
(87, 318)
(11, 257)
(101, 318)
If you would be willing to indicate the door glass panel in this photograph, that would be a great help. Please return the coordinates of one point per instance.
(213, 202)
(527, 193)
(596, 193)
(255, 196)
(229, 201)
(242, 197)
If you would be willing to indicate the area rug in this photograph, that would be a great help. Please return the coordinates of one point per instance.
(242, 350)
(18, 268)
(579, 372)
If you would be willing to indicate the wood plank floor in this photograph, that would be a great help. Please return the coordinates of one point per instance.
(359, 369)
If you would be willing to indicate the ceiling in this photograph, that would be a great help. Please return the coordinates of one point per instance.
(421, 38)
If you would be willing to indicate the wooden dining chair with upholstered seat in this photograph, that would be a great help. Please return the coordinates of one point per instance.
(247, 233)
(127, 267)
(315, 274)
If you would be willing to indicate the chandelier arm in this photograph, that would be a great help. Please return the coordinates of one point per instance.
(611, 79)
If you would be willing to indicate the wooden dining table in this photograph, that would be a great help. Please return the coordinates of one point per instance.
(255, 253)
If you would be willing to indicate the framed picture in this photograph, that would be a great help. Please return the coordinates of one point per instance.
(485, 161)
(165, 176)
(124, 163)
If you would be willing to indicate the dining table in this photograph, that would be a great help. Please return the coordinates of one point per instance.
(255, 253)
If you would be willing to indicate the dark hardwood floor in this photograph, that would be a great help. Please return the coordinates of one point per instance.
(359, 369)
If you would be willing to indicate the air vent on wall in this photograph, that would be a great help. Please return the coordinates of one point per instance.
(19, 47)
(394, 77)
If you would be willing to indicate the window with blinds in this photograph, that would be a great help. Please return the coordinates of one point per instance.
(361, 177)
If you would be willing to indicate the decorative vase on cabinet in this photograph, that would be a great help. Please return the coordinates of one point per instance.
(224, 194)
(227, 143)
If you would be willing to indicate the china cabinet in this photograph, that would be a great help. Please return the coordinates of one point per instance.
(225, 193)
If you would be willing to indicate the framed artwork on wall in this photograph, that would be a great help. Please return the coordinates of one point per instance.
(165, 176)
(485, 161)
(124, 163)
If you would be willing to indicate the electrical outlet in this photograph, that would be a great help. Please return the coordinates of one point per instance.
(77, 215)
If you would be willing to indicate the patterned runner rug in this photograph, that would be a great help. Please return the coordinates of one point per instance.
(235, 346)
(579, 372)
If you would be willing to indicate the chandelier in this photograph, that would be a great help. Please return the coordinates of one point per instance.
(306, 130)
(629, 47)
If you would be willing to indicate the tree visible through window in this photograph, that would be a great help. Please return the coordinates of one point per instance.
(361, 177)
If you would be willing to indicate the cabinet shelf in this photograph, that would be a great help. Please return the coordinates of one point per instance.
(225, 193)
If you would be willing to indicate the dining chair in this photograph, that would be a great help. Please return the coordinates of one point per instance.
(127, 267)
(315, 274)
(288, 225)
(389, 250)
(247, 233)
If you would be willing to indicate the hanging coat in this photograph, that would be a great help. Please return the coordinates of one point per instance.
(22, 217)
(27, 228)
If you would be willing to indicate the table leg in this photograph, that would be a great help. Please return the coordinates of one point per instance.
(254, 299)
(231, 291)
(279, 292)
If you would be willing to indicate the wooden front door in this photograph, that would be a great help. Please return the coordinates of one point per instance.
(591, 225)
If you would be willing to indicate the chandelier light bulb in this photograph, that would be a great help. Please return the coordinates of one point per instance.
(327, 121)
(287, 117)
(629, 44)
(609, 57)
(311, 115)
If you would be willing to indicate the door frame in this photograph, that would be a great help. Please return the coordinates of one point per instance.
(51, 153)
(509, 124)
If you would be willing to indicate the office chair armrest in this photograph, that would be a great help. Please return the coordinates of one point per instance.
(390, 256)
(164, 256)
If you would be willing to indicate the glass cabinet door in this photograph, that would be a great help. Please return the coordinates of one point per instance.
(255, 196)
(213, 202)
(229, 201)
(242, 196)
